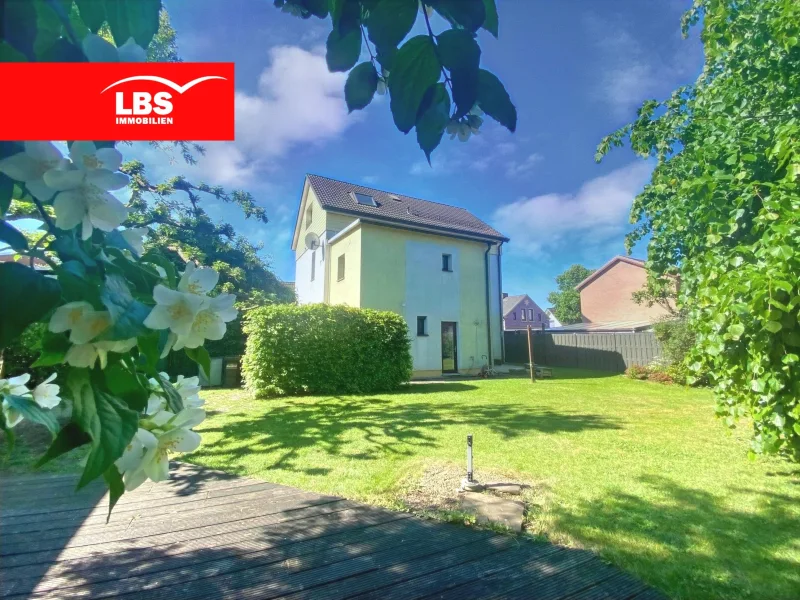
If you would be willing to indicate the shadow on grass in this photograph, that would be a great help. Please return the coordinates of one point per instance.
(388, 427)
(693, 544)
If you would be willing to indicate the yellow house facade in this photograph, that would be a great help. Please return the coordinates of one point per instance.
(438, 266)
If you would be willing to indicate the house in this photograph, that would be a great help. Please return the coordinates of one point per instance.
(521, 311)
(606, 294)
(554, 322)
(437, 265)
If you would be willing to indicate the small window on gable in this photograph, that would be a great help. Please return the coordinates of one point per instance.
(514, 315)
(447, 262)
(340, 268)
(313, 263)
(538, 316)
(530, 314)
(309, 215)
(422, 326)
(522, 312)
(364, 199)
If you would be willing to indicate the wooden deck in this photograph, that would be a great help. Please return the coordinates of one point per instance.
(206, 534)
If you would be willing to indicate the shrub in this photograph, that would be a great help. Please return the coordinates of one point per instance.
(318, 348)
(636, 372)
(676, 339)
(660, 375)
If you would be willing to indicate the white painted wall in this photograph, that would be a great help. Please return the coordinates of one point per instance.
(495, 301)
(435, 294)
(308, 291)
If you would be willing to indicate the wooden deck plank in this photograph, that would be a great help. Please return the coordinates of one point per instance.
(207, 534)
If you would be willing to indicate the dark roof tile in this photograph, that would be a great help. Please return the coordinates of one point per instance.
(335, 195)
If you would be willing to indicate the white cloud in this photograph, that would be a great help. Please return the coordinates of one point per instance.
(632, 70)
(591, 218)
(517, 168)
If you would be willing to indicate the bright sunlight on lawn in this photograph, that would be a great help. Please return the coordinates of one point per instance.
(641, 472)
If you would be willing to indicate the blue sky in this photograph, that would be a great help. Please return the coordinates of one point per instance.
(576, 70)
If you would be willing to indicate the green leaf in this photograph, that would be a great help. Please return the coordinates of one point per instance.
(469, 14)
(773, 326)
(433, 118)
(149, 350)
(6, 193)
(461, 55)
(343, 50)
(109, 423)
(153, 257)
(9, 432)
(70, 437)
(116, 487)
(490, 24)
(174, 400)
(62, 50)
(494, 100)
(127, 314)
(76, 285)
(19, 26)
(416, 68)
(32, 411)
(27, 296)
(126, 386)
(360, 87)
(93, 13)
(133, 18)
(736, 330)
(201, 357)
(390, 21)
(68, 247)
(54, 349)
(9, 54)
(11, 236)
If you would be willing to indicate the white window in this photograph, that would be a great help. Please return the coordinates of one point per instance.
(309, 215)
(530, 314)
(340, 268)
(447, 262)
(522, 312)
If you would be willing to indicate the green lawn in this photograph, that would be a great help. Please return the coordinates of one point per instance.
(640, 472)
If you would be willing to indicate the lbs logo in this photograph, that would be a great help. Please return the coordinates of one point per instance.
(124, 101)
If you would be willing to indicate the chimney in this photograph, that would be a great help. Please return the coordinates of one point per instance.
(505, 295)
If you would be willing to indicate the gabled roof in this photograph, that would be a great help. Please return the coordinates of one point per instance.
(609, 327)
(606, 267)
(511, 302)
(336, 196)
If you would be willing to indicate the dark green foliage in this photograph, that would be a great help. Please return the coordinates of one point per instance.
(566, 301)
(360, 87)
(27, 296)
(410, 69)
(324, 349)
(723, 210)
(676, 339)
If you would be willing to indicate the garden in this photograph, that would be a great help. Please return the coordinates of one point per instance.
(640, 472)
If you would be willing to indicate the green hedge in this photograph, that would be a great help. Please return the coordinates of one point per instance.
(321, 349)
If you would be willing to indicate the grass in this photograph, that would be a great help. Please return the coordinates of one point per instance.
(640, 472)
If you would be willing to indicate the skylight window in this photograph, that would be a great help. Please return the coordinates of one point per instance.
(364, 199)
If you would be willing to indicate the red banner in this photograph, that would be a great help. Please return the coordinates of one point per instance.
(117, 101)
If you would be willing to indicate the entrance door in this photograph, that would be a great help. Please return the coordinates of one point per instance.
(449, 347)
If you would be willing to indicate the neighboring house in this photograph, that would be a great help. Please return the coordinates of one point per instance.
(606, 294)
(436, 265)
(554, 322)
(520, 311)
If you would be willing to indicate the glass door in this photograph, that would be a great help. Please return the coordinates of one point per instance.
(449, 347)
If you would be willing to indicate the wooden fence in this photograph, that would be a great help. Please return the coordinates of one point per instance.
(598, 351)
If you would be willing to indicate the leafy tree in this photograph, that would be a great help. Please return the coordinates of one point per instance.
(566, 302)
(659, 291)
(435, 82)
(723, 209)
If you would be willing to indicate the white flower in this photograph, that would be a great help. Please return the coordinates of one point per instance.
(86, 157)
(189, 388)
(11, 415)
(196, 280)
(30, 166)
(91, 324)
(86, 355)
(173, 310)
(84, 198)
(135, 239)
(67, 316)
(15, 386)
(46, 394)
(209, 324)
(97, 49)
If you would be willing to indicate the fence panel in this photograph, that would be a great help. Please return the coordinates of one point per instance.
(597, 351)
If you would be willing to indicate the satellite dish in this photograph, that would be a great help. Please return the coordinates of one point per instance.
(312, 241)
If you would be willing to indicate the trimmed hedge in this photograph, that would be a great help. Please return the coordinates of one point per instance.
(322, 349)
